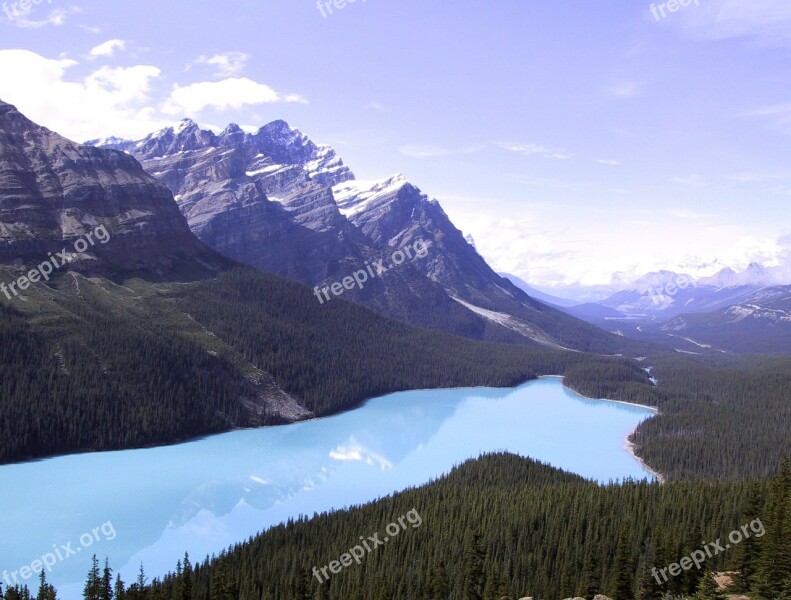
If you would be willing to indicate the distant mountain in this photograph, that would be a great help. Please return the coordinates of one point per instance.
(538, 294)
(753, 275)
(658, 296)
(759, 323)
(277, 201)
(726, 312)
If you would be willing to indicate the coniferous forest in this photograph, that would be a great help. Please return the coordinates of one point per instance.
(498, 527)
(724, 417)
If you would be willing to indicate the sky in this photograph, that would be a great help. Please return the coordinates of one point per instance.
(578, 142)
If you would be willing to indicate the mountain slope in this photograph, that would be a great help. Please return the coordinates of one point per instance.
(537, 294)
(55, 192)
(153, 337)
(758, 324)
(394, 212)
(275, 200)
(265, 199)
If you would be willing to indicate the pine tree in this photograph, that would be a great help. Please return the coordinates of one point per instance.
(120, 591)
(473, 568)
(185, 585)
(708, 589)
(622, 583)
(745, 561)
(438, 587)
(45, 590)
(774, 568)
(141, 583)
(590, 581)
(106, 589)
(93, 584)
(692, 577)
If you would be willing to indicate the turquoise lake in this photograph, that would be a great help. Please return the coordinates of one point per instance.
(202, 496)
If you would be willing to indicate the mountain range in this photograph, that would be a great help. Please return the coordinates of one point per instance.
(150, 336)
(277, 201)
(728, 312)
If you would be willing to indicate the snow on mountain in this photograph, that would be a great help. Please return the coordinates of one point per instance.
(355, 196)
(754, 274)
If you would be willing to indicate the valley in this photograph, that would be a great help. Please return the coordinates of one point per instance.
(425, 301)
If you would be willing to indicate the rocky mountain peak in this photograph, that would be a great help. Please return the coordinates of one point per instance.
(56, 191)
(183, 136)
(233, 135)
(284, 144)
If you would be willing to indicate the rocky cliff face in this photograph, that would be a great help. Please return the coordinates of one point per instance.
(54, 192)
(277, 201)
(266, 199)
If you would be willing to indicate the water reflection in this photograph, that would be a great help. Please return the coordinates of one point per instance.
(204, 495)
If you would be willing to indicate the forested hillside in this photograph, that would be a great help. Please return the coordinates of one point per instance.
(179, 360)
(91, 364)
(504, 526)
(720, 416)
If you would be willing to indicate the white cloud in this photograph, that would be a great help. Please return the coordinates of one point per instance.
(759, 177)
(554, 244)
(534, 150)
(107, 48)
(227, 64)
(108, 101)
(122, 101)
(609, 162)
(374, 106)
(763, 20)
(236, 92)
(434, 151)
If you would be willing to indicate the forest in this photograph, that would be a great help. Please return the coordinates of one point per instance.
(175, 360)
(497, 527)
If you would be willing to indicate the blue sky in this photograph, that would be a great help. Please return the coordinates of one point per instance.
(576, 141)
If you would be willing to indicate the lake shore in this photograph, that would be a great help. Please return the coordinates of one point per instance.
(628, 445)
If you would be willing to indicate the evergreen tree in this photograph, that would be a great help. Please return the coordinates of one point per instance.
(746, 554)
(708, 589)
(774, 568)
(45, 590)
(473, 568)
(622, 583)
(106, 589)
(185, 581)
(438, 586)
(120, 590)
(93, 584)
(590, 580)
(692, 577)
